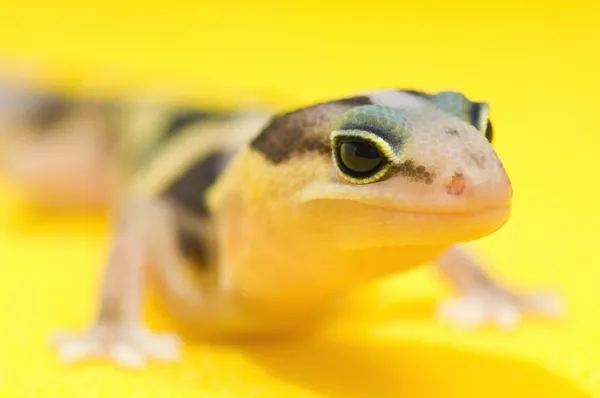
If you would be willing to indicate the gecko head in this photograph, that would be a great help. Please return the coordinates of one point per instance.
(394, 167)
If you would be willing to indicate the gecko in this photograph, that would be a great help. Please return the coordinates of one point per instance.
(256, 225)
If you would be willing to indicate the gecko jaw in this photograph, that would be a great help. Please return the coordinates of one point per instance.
(427, 204)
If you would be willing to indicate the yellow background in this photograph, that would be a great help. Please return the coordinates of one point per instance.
(536, 63)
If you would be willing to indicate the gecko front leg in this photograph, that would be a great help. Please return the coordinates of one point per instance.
(118, 331)
(482, 299)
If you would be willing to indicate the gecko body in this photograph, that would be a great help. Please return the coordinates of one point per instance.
(254, 224)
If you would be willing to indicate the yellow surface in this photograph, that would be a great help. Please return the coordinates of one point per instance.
(535, 62)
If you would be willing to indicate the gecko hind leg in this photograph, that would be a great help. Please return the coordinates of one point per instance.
(483, 300)
(118, 331)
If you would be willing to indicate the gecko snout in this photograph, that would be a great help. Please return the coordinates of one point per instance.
(489, 189)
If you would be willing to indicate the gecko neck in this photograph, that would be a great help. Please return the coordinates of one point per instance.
(304, 280)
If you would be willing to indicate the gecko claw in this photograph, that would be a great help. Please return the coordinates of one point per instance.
(127, 346)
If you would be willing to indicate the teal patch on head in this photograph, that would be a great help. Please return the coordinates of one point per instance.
(383, 121)
(454, 103)
(474, 113)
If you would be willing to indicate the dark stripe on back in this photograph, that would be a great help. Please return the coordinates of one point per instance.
(301, 130)
(178, 120)
(183, 118)
(192, 246)
(190, 188)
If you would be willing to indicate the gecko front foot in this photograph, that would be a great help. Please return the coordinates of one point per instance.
(497, 306)
(129, 346)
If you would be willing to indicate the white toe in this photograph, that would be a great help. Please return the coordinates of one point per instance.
(126, 346)
(126, 355)
(77, 349)
(507, 317)
(163, 346)
(464, 313)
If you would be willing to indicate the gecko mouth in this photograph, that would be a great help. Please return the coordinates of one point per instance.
(427, 206)
(451, 209)
(491, 212)
(415, 224)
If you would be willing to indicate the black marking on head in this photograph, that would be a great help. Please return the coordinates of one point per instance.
(184, 118)
(314, 146)
(416, 173)
(303, 130)
(356, 101)
(192, 246)
(279, 139)
(453, 132)
(190, 188)
(417, 93)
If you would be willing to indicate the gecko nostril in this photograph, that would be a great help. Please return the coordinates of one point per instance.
(456, 186)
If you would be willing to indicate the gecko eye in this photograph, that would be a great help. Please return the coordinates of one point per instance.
(361, 156)
(358, 159)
